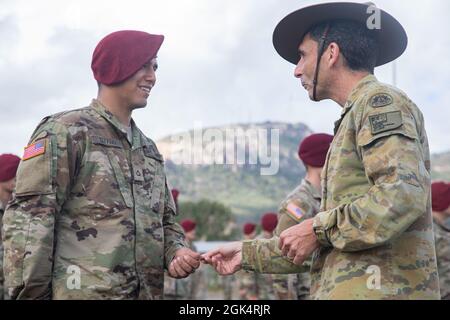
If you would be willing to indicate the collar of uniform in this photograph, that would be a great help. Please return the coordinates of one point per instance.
(354, 94)
(352, 98)
(311, 189)
(137, 136)
(439, 224)
(100, 109)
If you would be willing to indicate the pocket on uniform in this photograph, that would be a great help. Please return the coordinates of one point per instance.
(34, 175)
(122, 182)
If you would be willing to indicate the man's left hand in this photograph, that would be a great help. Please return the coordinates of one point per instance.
(299, 242)
(184, 263)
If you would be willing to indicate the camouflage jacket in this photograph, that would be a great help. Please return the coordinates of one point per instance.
(375, 224)
(2, 279)
(92, 216)
(302, 203)
(442, 241)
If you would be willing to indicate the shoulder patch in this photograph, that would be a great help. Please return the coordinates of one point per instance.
(295, 211)
(34, 150)
(384, 122)
(381, 100)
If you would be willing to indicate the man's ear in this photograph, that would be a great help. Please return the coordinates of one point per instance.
(332, 54)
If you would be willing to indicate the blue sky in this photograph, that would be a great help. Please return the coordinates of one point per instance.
(217, 64)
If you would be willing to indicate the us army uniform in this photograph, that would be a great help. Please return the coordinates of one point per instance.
(375, 221)
(442, 241)
(302, 203)
(2, 279)
(92, 217)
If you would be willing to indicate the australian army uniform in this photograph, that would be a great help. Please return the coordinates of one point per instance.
(95, 204)
(375, 224)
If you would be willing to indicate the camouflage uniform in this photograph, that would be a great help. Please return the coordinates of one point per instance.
(2, 279)
(375, 217)
(95, 204)
(442, 241)
(302, 203)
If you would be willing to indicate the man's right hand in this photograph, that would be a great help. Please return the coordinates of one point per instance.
(226, 260)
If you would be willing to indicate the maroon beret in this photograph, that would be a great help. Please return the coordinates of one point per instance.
(269, 221)
(188, 225)
(121, 54)
(440, 193)
(249, 228)
(313, 149)
(175, 194)
(8, 166)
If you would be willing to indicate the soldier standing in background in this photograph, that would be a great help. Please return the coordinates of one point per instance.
(373, 237)
(92, 216)
(301, 204)
(441, 216)
(8, 169)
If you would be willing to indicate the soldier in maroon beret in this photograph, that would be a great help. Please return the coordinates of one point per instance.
(8, 169)
(91, 183)
(440, 194)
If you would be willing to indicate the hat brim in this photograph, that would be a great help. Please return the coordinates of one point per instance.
(289, 32)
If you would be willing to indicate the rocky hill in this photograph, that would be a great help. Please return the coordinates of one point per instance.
(236, 165)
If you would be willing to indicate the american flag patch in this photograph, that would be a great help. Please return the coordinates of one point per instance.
(295, 211)
(34, 150)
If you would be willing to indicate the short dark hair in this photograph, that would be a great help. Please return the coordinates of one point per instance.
(358, 44)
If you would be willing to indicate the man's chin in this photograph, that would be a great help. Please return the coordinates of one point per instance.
(140, 105)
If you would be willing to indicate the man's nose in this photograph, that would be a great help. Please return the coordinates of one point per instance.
(150, 75)
(298, 71)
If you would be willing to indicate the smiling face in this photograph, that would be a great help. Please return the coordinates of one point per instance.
(135, 91)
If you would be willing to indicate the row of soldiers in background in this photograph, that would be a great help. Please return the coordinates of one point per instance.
(302, 203)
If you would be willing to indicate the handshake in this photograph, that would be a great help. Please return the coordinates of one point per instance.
(296, 243)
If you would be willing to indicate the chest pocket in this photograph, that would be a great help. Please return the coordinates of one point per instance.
(154, 178)
(123, 183)
(117, 159)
